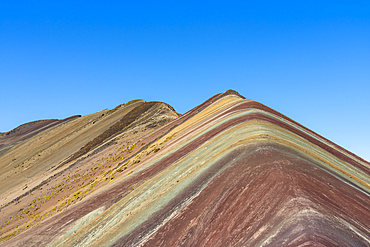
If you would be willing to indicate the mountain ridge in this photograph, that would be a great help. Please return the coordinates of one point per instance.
(228, 172)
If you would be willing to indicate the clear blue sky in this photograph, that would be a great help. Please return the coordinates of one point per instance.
(310, 61)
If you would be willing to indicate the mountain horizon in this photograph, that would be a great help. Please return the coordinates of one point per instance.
(229, 172)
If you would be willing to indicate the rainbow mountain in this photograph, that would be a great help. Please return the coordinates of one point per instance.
(229, 172)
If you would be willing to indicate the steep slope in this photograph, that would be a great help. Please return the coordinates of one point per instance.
(30, 170)
(230, 172)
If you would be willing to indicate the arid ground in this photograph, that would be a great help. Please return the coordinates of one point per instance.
(229, 172)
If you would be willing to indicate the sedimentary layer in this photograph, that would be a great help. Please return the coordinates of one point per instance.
(230, 172)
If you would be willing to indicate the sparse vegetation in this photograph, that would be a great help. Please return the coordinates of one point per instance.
(68, 189)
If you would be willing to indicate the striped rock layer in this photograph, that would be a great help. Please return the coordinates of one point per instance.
(230, 172)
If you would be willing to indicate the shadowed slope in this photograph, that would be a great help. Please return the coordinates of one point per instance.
(230, 172)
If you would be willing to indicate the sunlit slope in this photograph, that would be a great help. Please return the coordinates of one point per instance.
(32, 168)
(230, 172)
(25, 131)
(50, 147)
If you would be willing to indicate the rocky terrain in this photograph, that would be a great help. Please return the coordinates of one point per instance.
(229, 172)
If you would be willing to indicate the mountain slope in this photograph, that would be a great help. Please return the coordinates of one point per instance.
(230, 172)
(39, 162)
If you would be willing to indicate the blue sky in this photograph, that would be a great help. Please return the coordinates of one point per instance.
(310, 61)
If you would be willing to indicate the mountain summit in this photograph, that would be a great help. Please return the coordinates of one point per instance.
(229, 172)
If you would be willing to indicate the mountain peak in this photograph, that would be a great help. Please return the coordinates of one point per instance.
(229, 172)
